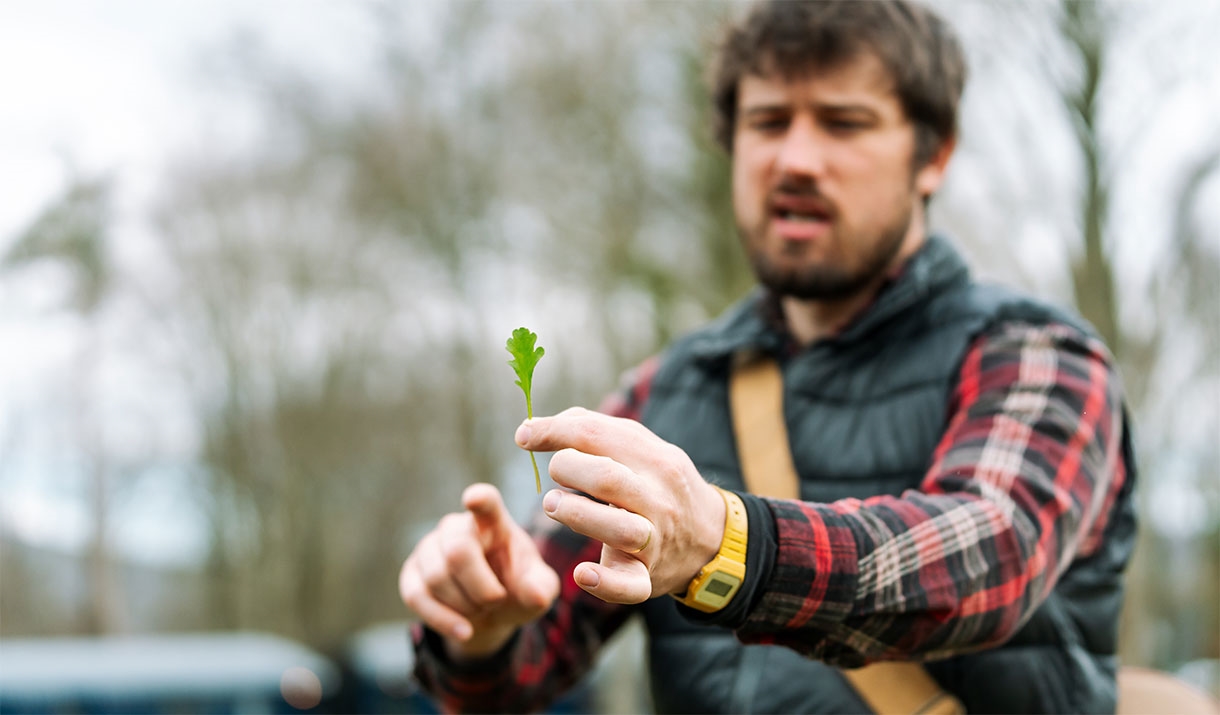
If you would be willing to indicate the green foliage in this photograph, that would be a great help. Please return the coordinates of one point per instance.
(72, 231)
(525, 358)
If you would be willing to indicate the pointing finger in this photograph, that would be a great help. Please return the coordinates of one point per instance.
(463, 560)
(490, 514)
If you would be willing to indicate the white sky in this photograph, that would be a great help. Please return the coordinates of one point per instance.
(113, 85)
(117, 87)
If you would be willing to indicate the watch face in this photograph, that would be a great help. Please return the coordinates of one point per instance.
(716, 591)
(716, 587)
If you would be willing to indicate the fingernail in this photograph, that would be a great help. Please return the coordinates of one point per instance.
(461, 631)
(588, 577)
(550, 502)
(523, 434)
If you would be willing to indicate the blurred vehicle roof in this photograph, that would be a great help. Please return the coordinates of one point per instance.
(176, 664)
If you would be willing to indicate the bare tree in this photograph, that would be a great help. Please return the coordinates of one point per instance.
(339, 296)
(74, 232)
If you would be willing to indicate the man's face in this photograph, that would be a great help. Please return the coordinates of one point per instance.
(823, 185)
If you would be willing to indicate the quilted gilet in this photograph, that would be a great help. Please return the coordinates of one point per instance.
(864, 411)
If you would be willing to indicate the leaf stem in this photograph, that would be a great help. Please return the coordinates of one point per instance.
(529, 414)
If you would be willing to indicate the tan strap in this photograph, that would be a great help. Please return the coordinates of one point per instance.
(756, 394)
(896, 688)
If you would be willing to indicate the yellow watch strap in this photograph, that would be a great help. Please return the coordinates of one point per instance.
(736, 527)
(718, 581)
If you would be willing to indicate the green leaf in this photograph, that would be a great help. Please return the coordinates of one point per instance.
(525, 357)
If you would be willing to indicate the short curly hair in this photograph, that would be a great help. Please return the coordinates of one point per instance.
(918, 49)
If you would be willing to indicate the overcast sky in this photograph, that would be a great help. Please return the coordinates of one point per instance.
(120, 86)
(113, 85)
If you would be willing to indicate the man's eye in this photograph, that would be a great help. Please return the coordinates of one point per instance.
(844, 125)
(773, 124)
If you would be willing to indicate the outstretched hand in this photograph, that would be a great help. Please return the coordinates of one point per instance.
(477, 576)
(658, 520)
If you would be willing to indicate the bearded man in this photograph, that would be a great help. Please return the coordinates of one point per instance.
(961, 496)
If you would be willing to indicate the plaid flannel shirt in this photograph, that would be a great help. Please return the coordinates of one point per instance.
(1020, 485)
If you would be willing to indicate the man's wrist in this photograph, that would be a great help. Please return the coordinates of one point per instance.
(716, 584)
(481, 647)
(760, 561)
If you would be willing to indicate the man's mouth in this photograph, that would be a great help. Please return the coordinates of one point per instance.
(798, 207)
(800, 218)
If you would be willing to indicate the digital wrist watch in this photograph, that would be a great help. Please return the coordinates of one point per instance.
(719, 580)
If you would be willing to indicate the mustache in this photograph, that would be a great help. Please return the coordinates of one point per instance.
(798, 188)
(805, 193)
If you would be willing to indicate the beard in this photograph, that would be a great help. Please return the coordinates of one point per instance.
(786, 275)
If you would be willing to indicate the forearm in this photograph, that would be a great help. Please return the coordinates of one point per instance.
(1020, 486)
(521, 677)
(539, 662)
(462, 685)
(920, 593)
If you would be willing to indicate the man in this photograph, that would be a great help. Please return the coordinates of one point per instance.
(963, 455)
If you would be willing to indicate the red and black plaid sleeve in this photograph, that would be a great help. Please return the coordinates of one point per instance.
(1021, 484)
(548, 656)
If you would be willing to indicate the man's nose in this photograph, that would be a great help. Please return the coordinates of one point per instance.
(802, 152)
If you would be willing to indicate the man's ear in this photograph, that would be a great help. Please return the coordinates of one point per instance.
(929, 178)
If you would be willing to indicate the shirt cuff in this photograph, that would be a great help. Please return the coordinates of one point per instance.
(430, 651)
(760, 558)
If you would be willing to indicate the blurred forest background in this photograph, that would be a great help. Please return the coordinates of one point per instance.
(288, 349)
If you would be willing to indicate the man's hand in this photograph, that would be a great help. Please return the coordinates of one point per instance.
(477, 576)
(658, 520)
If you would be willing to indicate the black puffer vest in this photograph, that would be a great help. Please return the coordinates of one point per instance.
(864, 412)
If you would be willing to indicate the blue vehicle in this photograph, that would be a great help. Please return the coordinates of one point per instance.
(189, 673)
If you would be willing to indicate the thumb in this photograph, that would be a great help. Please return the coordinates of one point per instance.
(617, 578)
(539, 585)
(491, 517)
